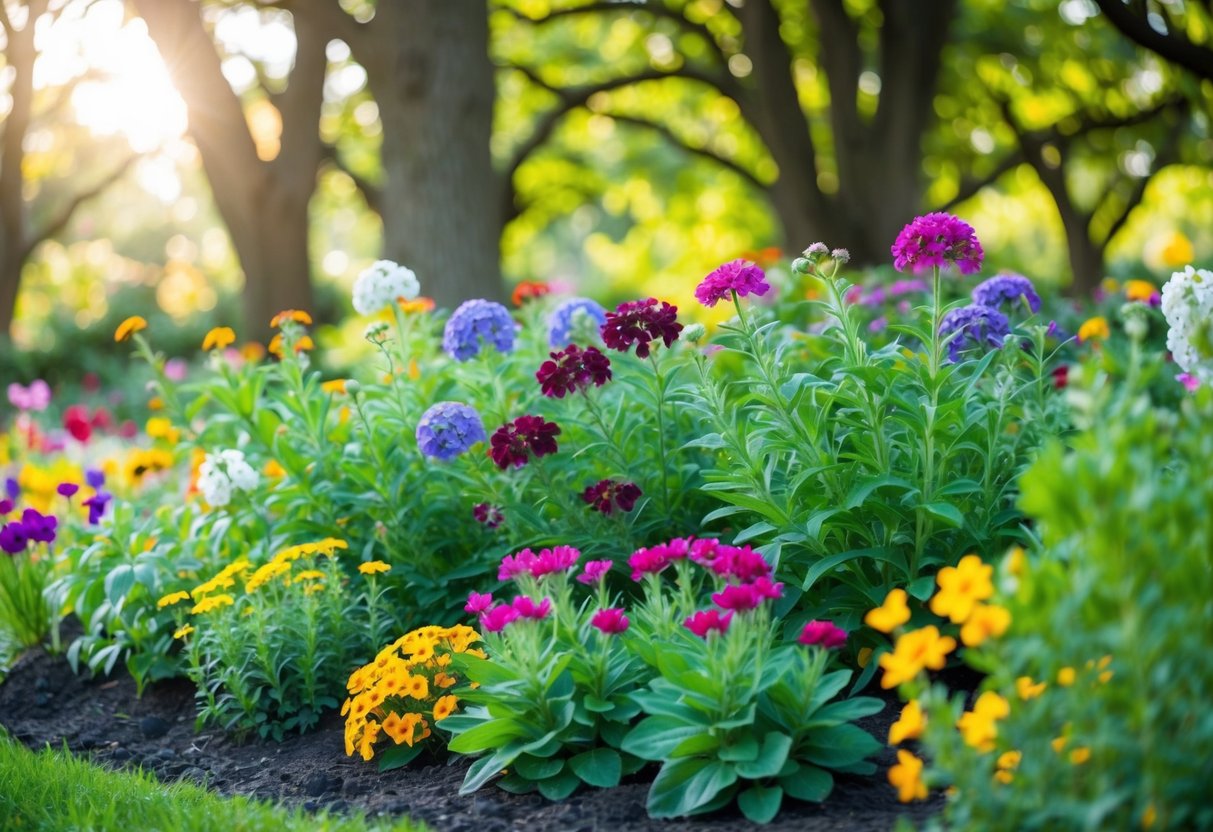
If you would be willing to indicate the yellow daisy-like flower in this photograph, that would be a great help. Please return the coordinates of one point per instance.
(986, 621)
(417, 687)
(978, 727)
(337, 385)
(444, 680)
(909, 725)
(369, 735)
(891, 614)
(309, 575)
(182, 632)
(1140, 290)
(218, 338)
(915, 651)
(444, 707)
(1007, 763)
(906, 777)
(1066, 676)
(129, 327)
(171, 598)
(296, 315)
(1094, 329)
(1026, 689)
(265, 574)
(212, 602)
(961, 587)
(373, 566)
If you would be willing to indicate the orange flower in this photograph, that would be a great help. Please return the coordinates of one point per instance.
(909, 725)
(529, 290)
(914, 652)
(422, 304)
(129, 327)
(1140, 290)
(906, 776)
(252, 351)
(444, 707)
(218, 338)
(961, 587)
(1027, 689)
(337, 385)
(1094, 329)
(986, 621)
(296, 315)
(890, 615)
(978, 726)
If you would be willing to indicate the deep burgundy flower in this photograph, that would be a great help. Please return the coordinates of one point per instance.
(641, 322)
(740, 276)
(488, 514)
(1061, 376)
(823, 633)
(937, 240)
(77, 423)
(572, 370)
(605, 495)
(514, 442)
(610, 621)
(705, 621)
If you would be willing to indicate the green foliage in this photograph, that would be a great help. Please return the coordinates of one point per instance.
(25, 616)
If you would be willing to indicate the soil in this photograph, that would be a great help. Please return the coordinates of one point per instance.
(42, 702)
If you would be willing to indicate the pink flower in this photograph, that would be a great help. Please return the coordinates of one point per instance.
(556, 559)
(176, 369)
(498, 618)
(740, 563)
(527, 608)
(610, 621)
(739, 597)
(824, 634)
(738, 276)
(704, 621)
(478, 602)
(595, 571)
(514, 565)
(1189, 381)
(35, 397)
(768, 589)
(940, 241)
(647, 562)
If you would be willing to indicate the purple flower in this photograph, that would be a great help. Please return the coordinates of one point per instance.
(475, 323)
(448, 429)
(6, 505)
(94, 478)
(604, 495)
(96, 506)
(823, 633)
(478, 602)
(13, 537)
(513, 442)
(940, 241)
(641, 322)
(67, 489)
(1190, 382)
(572, 370)
(39, 527)
(488, 514)
(738, 276)
(1008, 288)
(610, 621)
(11, 488)
(973, 326)
(594, 571)
(563, 320)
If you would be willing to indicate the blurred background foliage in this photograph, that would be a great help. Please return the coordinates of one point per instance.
(634, 146)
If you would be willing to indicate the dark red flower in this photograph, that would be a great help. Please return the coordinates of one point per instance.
(102, 420)
(1061, 376)
(76, 422)
(641, 322)
(572, 370)
(604, 495)
(514, 442)
(488, 514)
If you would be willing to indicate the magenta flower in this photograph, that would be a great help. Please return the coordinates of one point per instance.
(610, 621)
(572, 370)
(498, 618)
(594, 571)
(738, 276)
(647, 562)
(527, 608)
(604, 495)
(641, 322)
(478, 602)
(940, 241)
(556, 559)
(1190, 382)
(488, 514)
(768, 589)
(514, 442)
(705, 621)
(823, 634)
(514, 565)
(740, 563)
(35, 397)
(738, 597)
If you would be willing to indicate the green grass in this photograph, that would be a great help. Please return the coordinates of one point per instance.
(52, 790)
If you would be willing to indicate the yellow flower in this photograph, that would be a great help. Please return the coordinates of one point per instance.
(1177, 251)
(158, 427)
(265, 574)
(978, 725)
(369, 734)
(305, 343)
(252, 351)
(309, 575)
(273, 469)
(1009, 759)
(373, 566)
(445, 680)
(1080, 755)
(129, 327)
(1094, 328)
(909, 725)
(1027, 690)
(296, 315)
(337, 385)
(1109, 285)
(1017, 561)
(1149, 816)
(1065, 677)
(417, 687)
(987, 621)
(906, 777)
(1140, 290)
(1059, 743)
(218, 338)
(170, 599)
(444, 707)
(182, 632)
(155, 403)
(213, 602)
(961, 587)
(913, 652)
(889, 615)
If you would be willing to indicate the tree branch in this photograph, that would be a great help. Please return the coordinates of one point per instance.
(1167, 155)
(61, 219)
(703, 152)
(971, 186)
(371, 192)
(1174, 47)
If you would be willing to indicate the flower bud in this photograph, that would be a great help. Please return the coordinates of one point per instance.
(802, 265)
(816, 250)
(841, 255)
(352, 387)
(694, 333)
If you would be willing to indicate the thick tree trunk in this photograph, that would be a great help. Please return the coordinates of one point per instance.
(428, 67)
(19, 56)
(1086, 259)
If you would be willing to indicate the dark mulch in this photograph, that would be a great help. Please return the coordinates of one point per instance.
(43, 702)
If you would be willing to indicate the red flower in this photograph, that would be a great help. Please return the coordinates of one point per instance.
(823, 633)
(610, 621)
(1061, 376)
(705, 621)
(514, 442)
(641, 322)
(76, 422)
(529, 290)
(604, 495)
(572, 370)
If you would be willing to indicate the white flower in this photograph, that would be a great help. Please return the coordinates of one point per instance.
(223, 473)
(382, 284)
(1187, 303)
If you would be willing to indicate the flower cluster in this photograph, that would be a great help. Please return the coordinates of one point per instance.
(223, 473)
(572, 370)
(640, 323)
(1006, 288)
(382, 285)
(449, 429)
(735, 277)
(937, 241)
(35, 397)
(546, 562)
(33, 527)
(1187, 304)
(576, 319)
(975, 327)
(514, 442)
(477, 323)
(605, 495)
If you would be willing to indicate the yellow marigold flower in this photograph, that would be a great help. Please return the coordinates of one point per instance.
(1080, 755)
(337, 385)
(158, 427)
(417, 687)
(987, 621)
(915, 651)
(444, 680)
(906, 777)
(444, 707)
(891, 614)
(1140, 290)
(1066, 676)
(1017, 561)
(305, 343)
(218, 338)
(309, 575)
(373, 566)
(252, 351)
(1026, 690)
(909, 725)
(213, 602)
(265, 574)
(129, 327)
(1094, 329)
(978, 727)
(296, 315)
(1009, 759)
(961, 587)
(182, 632)
(171, 598)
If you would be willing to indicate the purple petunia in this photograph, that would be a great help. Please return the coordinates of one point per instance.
(33, 527)
(12, 488)
(13, 537)
(940, 241)
(740, 276)
(568, 319)
(94, 478)
(448, 429)
(476, 323)
(1007, 287)
(973, 326)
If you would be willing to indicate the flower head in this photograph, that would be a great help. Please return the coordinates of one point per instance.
(573, 318)
(610, 621)
(488, 514)
(478, 602)
(737, 597)
(915, 651)
(172, 598)
(906, 777)
(594, 571)
(973, 326)
(219, 338)
(604, 495)
(294, 315)
(514, 442)
(909, 726)
(940, 241)
(640, 323)
(986, 621)
(448, 429)
(14, 537)
(572, 370)
(477, 323)
(528, 608)
(67, 489)
(372, 567)
(529, 290)
(1094, 329)
(96, 506)
(35, 397)
(129, 327)
(382, 285)
(1006, 288)
(497, 618)
(706, 621)
(1142, 291)
(978, 727)
(823, 633)
(961, 587)
(652, 560)
(1187, 304)
(738, 276)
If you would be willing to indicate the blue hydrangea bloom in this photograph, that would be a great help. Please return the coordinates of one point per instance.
(1006, 287)
(477, 322)
(562, 319)
(448, 429)
(978, 326)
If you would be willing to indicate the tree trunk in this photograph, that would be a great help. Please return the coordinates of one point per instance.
(428, 68)
(19, 54)
(1086, 259)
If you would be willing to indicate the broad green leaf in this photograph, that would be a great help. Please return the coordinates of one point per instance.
(760, 804)
(601, 767)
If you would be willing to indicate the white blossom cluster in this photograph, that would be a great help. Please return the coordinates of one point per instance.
(223, 473)
(382, 284)
(1187, 303)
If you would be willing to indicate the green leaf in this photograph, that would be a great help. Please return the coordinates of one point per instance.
(760, 804)
(560, 786)
(119, 582)
(684, 785)
(770, 759)
(828, 564)
(491, 734)
(743, 751)
(945, 513)
(838, 746)
(601, 767)
(808, 783)
(399, 756)
(486, 768)
(537, 768)
(655, 737)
